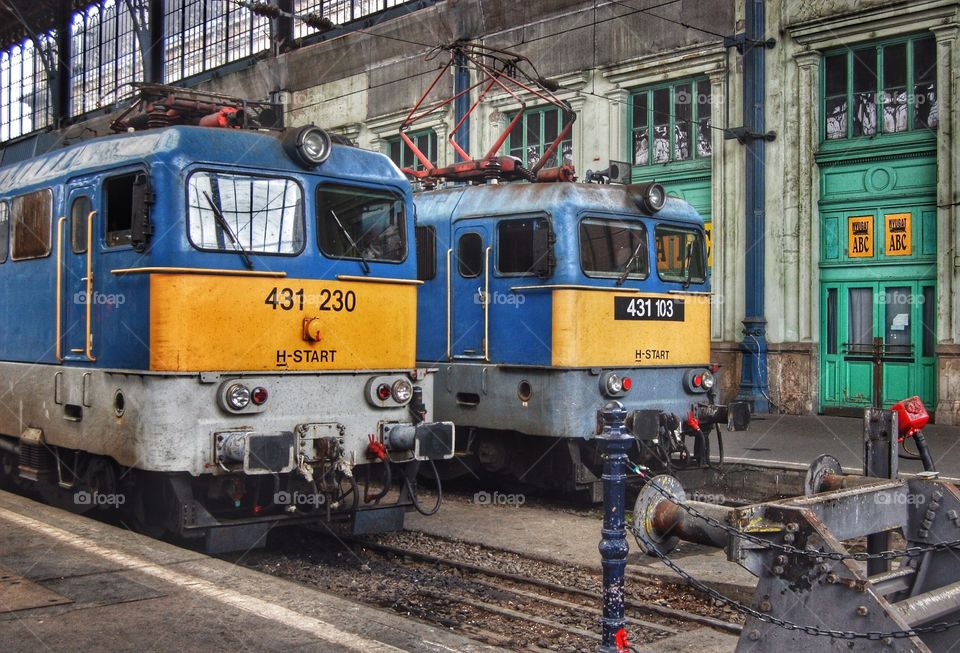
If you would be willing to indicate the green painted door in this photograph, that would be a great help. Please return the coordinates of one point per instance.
(900, 312)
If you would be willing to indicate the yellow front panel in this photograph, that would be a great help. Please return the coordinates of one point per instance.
(208, 322)
(586, 333)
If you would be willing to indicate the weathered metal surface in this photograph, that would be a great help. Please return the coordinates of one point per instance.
(879, 459)
(931, 606)
(19, 593)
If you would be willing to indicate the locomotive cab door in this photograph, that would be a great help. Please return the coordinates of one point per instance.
(76, 251)
(470, 287)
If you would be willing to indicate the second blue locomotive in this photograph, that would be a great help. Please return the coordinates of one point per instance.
(542, 301)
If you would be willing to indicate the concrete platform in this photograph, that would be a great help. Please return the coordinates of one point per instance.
(773, 440)
(103, 588)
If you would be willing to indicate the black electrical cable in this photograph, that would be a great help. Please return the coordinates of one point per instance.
(387, 482)
(719, 447)
(413, 494)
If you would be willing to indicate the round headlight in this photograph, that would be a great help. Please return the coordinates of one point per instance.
(656, 197)
(238, 396)
(707, 380)
(614, 384)
(649, 197)
(308, 146)
(402, 391)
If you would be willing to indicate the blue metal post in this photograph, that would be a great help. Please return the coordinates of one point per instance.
(462, 104)
(614, 443)
(753, 372)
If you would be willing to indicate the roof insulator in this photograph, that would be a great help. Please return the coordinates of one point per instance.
(265, 9)
(316, 21)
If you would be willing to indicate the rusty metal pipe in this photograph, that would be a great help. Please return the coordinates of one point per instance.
(671, 520)
(831, 482)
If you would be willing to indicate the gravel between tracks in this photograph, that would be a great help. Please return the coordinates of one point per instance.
(494, 610)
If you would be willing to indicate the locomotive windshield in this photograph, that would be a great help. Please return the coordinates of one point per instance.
(612, 248)
(230, 212)
(362, 224)
(680, 254)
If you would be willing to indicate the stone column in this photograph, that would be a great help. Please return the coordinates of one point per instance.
(445, 154)
(948, 262)
(808, 185)
(619, 144)
(718, 209)
(576, 136)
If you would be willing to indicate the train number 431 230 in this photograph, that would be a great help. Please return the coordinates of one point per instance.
(288, 299)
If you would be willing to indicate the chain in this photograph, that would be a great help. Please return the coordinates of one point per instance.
(895, 554)
(938, 627)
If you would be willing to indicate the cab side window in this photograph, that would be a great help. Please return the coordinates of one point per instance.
(470, 255)
(31, 215)
(79, 215)
(118, 196)
(524, 247)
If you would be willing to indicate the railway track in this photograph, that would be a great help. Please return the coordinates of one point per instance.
(494, 596)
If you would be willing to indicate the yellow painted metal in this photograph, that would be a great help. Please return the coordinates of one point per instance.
(89, 341)
(399, 282)
(585, 333)
(59, 330)
(898, 240)
(206, 271)
(227, 323)
(860, 236)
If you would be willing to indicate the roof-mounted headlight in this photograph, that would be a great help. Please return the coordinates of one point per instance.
(649, 197)
(308, 146)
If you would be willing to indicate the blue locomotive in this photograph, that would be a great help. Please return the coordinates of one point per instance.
(213, 328)
(542, 301)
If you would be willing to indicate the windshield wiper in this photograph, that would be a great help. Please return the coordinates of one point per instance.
(222, 221)
(626, 268)
(353, 244)
(688, 269)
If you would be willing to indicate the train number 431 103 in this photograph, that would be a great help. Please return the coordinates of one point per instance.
(648, 308)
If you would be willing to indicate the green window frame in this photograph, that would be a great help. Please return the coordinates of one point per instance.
(670, 122)
(879, 88)
(534, 133)
(403, 156)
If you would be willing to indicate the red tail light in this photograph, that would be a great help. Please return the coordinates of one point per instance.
(383, 392)
(627, 383)
(697, 381)
(259, 396)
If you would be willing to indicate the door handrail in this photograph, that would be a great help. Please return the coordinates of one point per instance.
(449, 300)
(59, 329)
(486, 304)
(89, 334)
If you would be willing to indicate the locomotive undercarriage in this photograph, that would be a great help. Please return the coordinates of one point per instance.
(229, 512)
(162, 452)
(553, 415)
